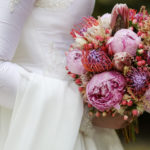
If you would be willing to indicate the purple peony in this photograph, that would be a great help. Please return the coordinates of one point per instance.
(124, 40)
(105, 90)
(74, 63)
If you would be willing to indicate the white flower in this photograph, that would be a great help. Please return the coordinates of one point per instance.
(106, 19)
(81, 41)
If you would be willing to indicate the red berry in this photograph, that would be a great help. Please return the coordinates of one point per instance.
(73, 75)
(138, 58)
(107, 31)
(130, 103)
(90, 46)
(141, 46)
(140, 63)
(81, 89)
(131, 28)
(86, 47)
(113, 115)
(99, 38)
(139, 33)
(78, 81)
(103, 48)
(89, 105)
(97, 114)
(143, 62)
(135, 112)
(124, 102)
(66, 68)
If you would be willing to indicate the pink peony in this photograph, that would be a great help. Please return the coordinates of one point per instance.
(74, 63)
(105, 90)
(124, 40)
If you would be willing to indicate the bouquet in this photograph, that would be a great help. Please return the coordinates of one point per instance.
(110, 61)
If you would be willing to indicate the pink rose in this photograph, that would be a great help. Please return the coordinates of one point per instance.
(105, 90)
(124, 40)
(74, 63)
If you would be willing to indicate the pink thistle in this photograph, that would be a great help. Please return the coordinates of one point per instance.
(138, 79)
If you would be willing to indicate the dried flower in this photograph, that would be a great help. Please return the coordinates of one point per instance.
(121, 60)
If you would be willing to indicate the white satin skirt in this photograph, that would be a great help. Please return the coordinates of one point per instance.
(47, 116)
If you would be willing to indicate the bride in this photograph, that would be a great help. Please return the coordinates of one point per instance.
(41, 108)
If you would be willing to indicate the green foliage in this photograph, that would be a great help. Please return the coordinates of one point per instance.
(105, 6)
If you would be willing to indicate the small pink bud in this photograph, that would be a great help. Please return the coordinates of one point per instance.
(124, 102)
(141, 24)
(89, 105)
(66, 68)
(143, 35)
(78, 81)
(130, 103)
(81, 89)
(97, 114)
(107, 31)
(143, 62)
(90, 46)
(135, 112)
(139, 33)
(141, 46)
(131, 28)
(73, 75)
(113, 115)
(140, 63)
(125, 117)
(134, 21)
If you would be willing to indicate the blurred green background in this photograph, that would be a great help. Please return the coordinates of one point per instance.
(143, 139)
(103, 6)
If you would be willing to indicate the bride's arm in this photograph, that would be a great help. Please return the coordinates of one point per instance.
(12, 18)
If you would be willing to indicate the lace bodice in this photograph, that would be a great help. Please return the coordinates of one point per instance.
(53, 4)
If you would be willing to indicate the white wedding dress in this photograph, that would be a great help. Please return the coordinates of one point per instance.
(41, 108)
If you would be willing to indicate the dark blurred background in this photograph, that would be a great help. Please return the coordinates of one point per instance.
(143, 138)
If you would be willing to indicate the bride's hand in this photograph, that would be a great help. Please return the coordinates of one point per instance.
(116, 122)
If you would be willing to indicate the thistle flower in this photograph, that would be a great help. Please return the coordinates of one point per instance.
(96, 61)
(138, 79)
